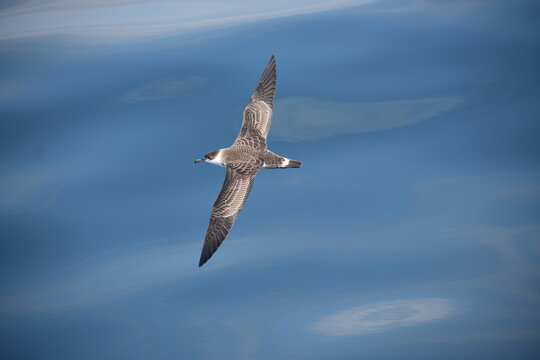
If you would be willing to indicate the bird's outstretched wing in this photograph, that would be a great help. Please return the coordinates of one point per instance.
(258, 112)
(228, 205)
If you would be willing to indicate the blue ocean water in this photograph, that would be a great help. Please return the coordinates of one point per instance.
(410, 232)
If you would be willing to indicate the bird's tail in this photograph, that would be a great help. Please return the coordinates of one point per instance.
(292, 164)
(273, 161)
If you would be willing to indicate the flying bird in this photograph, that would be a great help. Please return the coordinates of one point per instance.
(243, 160)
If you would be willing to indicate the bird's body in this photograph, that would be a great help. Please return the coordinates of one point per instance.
(243, 159)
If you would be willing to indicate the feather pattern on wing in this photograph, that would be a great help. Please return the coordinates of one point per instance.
(258, 112)
(231, 200)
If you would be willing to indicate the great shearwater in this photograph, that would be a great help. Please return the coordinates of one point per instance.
(243, 159)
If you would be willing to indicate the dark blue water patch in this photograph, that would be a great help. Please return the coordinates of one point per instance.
(62, 336)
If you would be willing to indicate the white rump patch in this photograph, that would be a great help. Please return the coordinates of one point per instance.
(285, 162)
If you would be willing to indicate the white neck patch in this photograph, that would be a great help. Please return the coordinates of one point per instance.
(217, 160)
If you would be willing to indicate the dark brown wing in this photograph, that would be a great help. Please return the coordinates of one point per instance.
(228, 205)
(258, 112)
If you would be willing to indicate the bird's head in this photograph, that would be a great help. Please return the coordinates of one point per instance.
(213, 157)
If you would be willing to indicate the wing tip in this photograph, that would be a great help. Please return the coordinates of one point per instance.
(266, 86)
(204, 258)
(272, 63)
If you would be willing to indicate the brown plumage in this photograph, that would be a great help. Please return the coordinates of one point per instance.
(243, 160)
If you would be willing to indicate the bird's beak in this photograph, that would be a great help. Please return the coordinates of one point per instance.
(199, 160)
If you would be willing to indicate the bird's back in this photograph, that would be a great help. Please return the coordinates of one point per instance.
(243, 159)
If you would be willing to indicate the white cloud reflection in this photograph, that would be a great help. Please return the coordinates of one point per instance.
(164, 89)
(119, 272)
(309, 119)
(383, 316)
(107, 279)
(109, 22)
